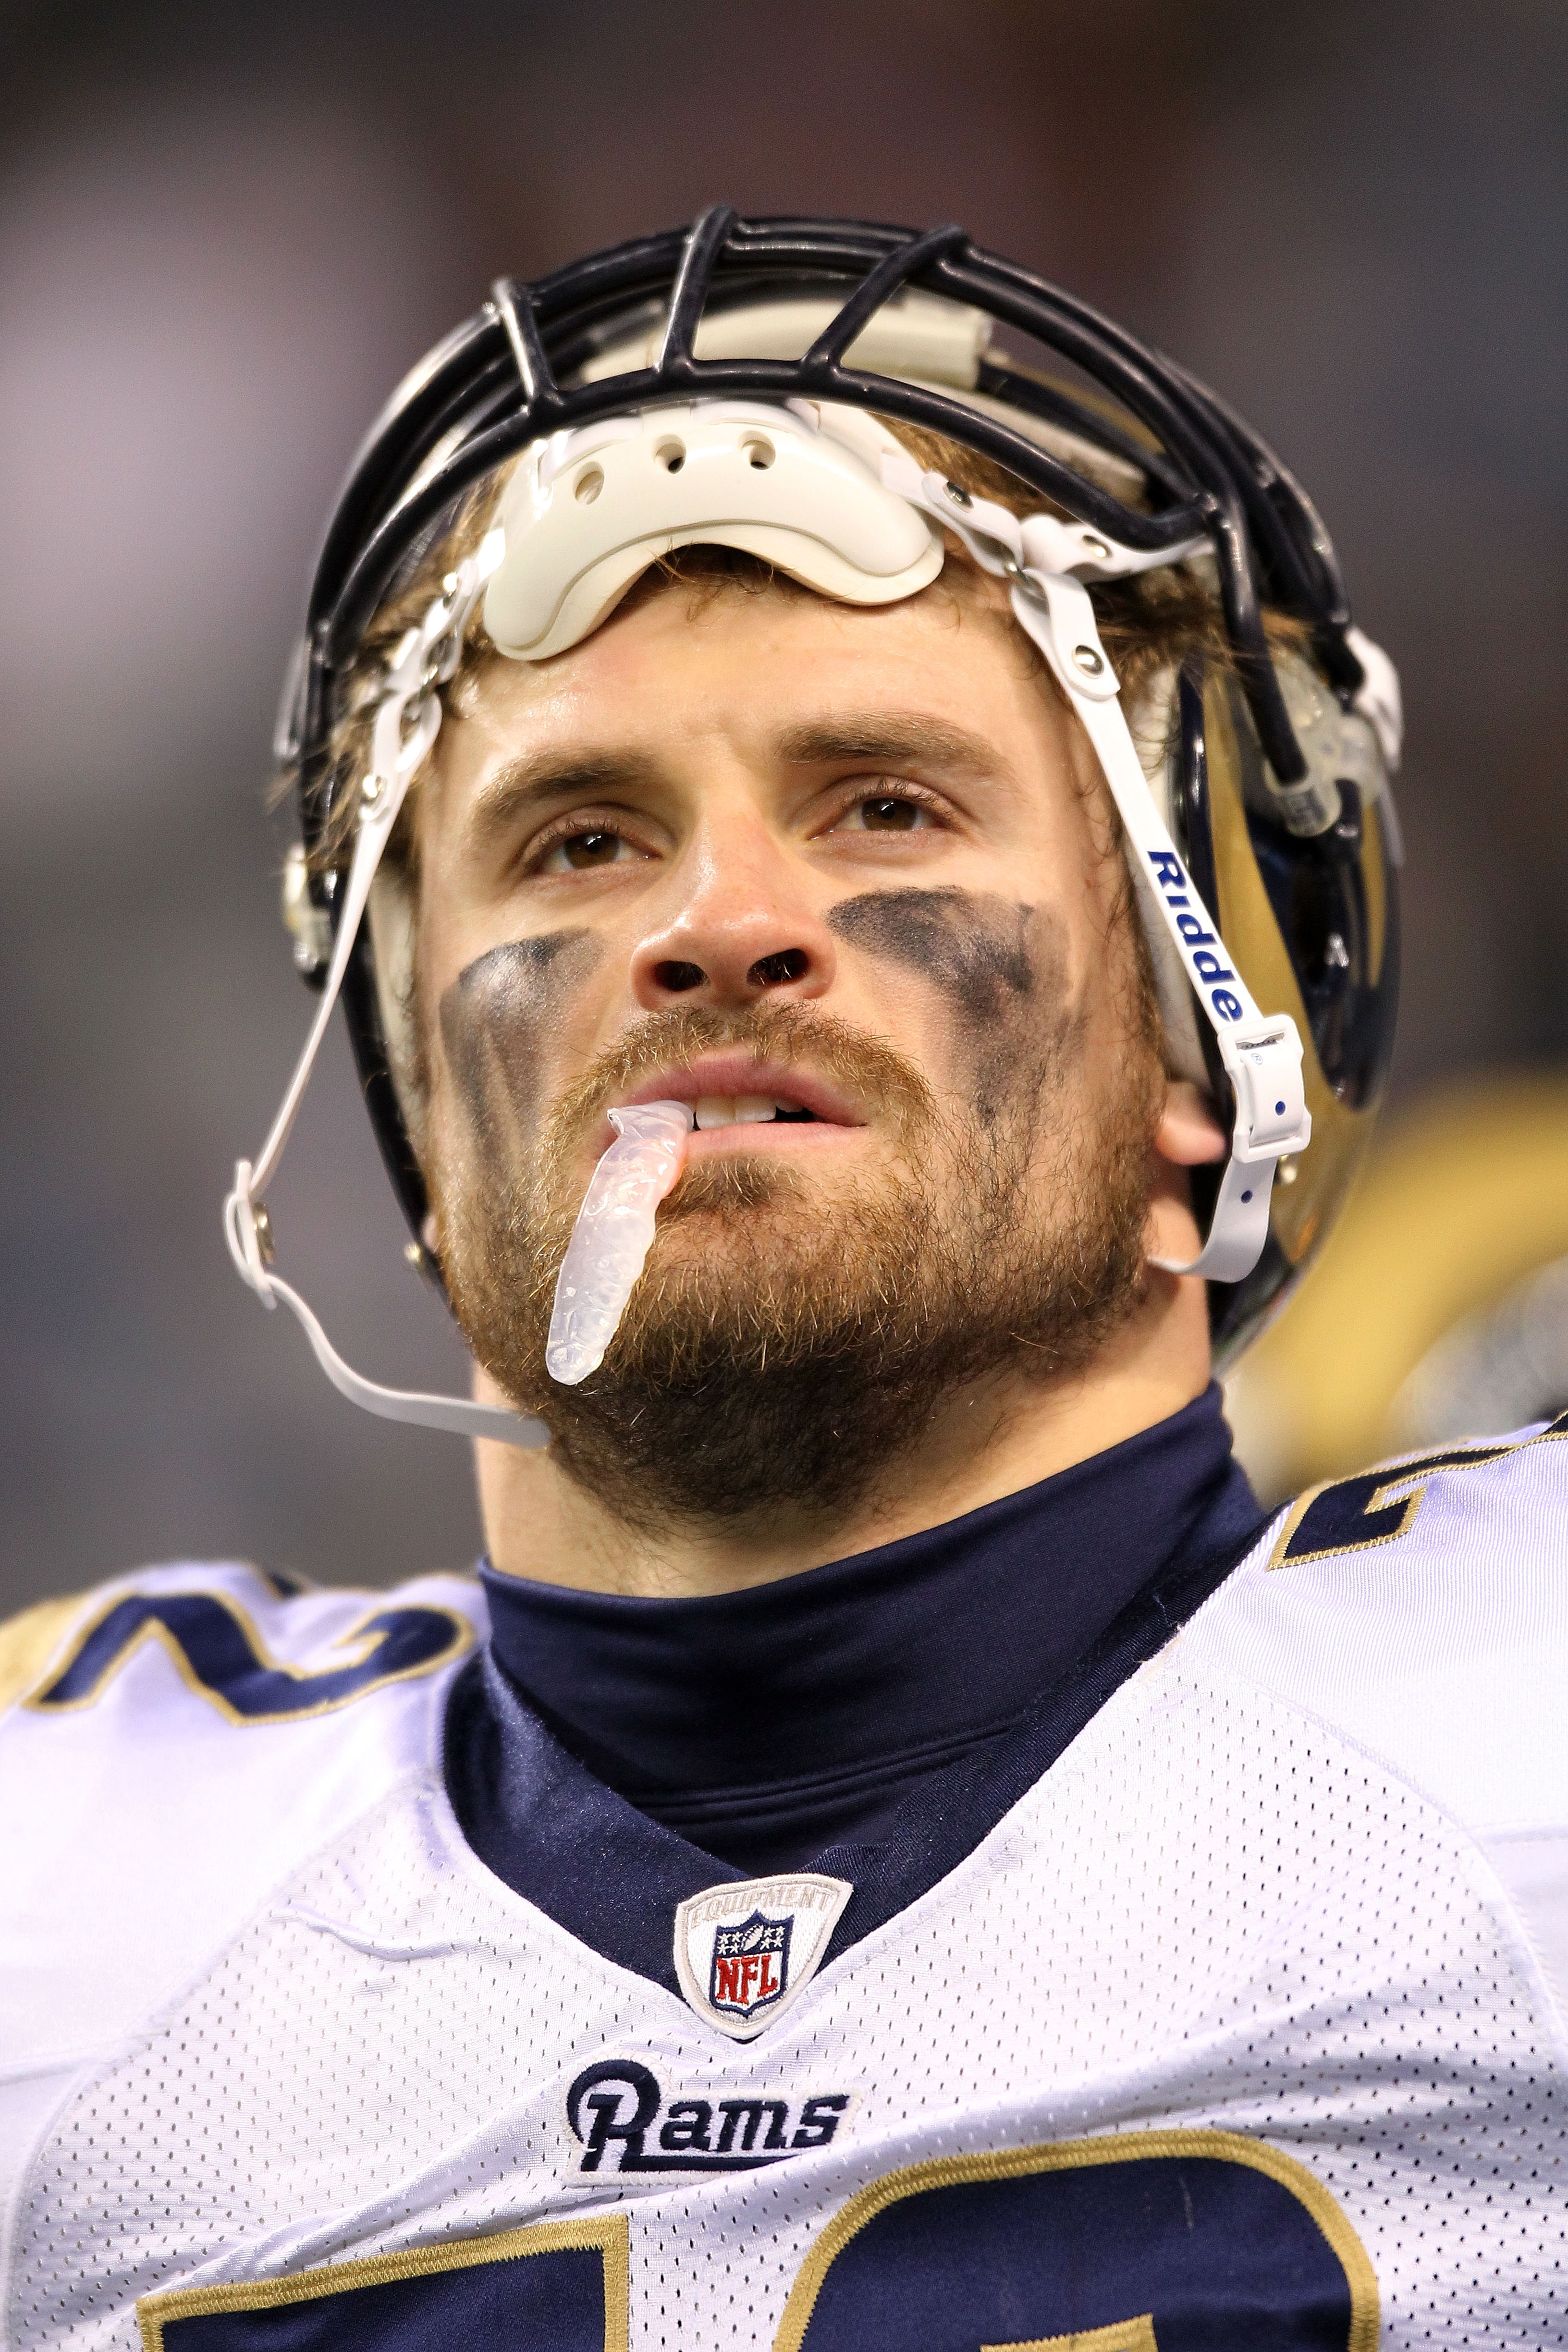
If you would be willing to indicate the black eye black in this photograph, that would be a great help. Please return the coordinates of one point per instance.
(891, 816)
(591, 848)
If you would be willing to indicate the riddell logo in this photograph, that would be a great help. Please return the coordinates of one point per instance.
(1200, 944)
(617, 2109)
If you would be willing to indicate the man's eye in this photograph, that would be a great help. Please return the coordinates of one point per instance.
(581, 850)
(885, 812)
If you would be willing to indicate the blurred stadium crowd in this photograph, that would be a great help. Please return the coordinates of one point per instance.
(225, 232)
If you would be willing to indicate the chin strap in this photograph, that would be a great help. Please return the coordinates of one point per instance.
(408, 719)
(1046, 561)
(1261, 1052)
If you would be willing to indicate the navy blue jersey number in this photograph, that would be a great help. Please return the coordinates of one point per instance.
(1151, 2242)
(1378, 1506)
(1156, 2241)
(218, 1652)
(561, 2287)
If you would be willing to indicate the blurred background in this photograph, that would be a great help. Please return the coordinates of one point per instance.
(224, 233)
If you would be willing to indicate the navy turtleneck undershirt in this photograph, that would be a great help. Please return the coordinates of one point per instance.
(767, 1726)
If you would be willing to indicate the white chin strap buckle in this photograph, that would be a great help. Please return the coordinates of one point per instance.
(1047, 561)
(1261, 1052)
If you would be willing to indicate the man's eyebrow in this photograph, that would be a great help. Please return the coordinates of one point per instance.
(534, 780)
(895, 737)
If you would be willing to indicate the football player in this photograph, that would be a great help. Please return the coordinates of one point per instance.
(851, 826)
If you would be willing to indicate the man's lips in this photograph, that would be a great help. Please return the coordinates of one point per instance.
(740, 1101)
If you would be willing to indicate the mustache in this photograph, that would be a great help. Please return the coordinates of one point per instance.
(863, 1065)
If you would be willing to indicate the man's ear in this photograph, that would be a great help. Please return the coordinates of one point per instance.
(1188, 1134)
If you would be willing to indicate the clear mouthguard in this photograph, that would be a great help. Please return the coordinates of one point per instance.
(614, 1232)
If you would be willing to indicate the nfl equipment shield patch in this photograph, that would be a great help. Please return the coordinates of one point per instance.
(745, 1951)
(750, 1965)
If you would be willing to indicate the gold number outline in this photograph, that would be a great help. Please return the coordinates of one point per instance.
(1122, 2336)
(608, 2234)
(1423, 1468)
(1060, 2155)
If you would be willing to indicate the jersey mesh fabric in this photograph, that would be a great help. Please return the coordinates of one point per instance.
(1212, 1912)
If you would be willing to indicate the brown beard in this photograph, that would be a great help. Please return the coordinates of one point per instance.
(781, 1351)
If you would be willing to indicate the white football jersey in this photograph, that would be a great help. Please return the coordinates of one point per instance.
(1241, 2027)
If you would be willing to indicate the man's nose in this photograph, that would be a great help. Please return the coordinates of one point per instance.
(745, 931)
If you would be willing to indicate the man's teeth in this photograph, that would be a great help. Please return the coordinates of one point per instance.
(739, 1110)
